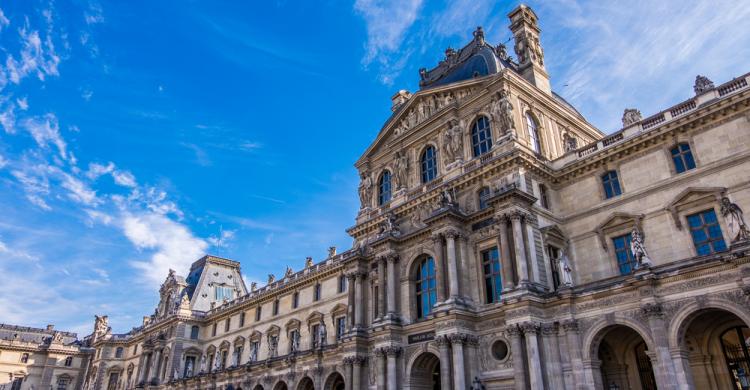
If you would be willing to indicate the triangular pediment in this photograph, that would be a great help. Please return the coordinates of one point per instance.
(695, 194)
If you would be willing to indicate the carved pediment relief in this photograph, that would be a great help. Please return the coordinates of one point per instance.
(554, 235)
(616, 221)
(420, 108)
(692, 196)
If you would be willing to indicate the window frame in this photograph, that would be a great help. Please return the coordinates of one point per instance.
(242, 319)
(428, 164)
(630, 259)
(275, 310)
(342, 285)
(706, 229)
(340, 323)
(481, 138)
(491, 279)
(385, 187)
(68, 361)
(425, 287)
(532, 128)
(194, 332)
(681, 154)
(258, 313)
(543, 196)
(227, 324)
(483, 198)
(25, 357)
(317, 292)
(605, 180)
(295, 299)
(119, 352)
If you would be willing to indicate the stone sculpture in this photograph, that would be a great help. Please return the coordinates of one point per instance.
(100, 325)
(566, 272)
(271, 278)
(401, 168)
(203, 363)
(254, 352)
(638, 249)
(322, 334)
(502, 112)
(702, 84)
(738, 230)
(453, 142)
(365, 190)
(631, 116)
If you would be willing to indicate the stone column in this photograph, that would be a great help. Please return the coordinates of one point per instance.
(392, 286)
(443, 344)
(357, 363)
(505, 260)
(472, 344)
(351, 278)
(531, 333)
(463, 265)
(664, 371)
(384, 293)
(450, 243)
(359, 307)
(380, 375)
(574, 351)
(513, 332)
(155, 366)
(459, 373)
(681, 359)
(348, 363)
(392, 353)
(141, 368)
(437, 240)
(552, 357)
(520, 249)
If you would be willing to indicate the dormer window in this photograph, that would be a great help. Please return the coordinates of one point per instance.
(384, 188)
(222, 292)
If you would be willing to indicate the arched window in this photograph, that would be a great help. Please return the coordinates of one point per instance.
(483, 195)
(429, 164)
(493, 285)
(384, 188)
(481, 136)
(682, 158)
(425, 287)
(194, 332)
(611, 184)
(533, 133)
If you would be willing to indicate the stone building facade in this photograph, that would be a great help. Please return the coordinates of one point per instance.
(35, 358)
(503, 242)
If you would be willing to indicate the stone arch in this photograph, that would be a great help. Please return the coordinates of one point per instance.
(410, 266)
(334, 381)
(280, 385)
(593, 337)
(306, 383)
(682, 319)
(239, 340)
(422, 368)
(258, 387)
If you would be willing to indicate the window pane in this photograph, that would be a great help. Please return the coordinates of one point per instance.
(709, 216)
(694, 220)
(689, 161)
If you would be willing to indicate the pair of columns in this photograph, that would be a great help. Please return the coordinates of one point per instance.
(387, 374)
(452, 365)
(519, 247)
(532, 362)
(451, 251)
(353, 370)
(386, 299)
(356, 310)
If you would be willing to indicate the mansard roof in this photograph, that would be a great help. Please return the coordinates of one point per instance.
(478, 58)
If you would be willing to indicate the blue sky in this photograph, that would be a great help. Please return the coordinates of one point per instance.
(137, 136)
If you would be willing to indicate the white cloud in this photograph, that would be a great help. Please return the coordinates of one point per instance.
(95, 13)
(96, 170)
(8, 118)
(36, 57)
(387, 22)
(221, 240)
(4, 22)
(3, 161)
(78, 191)
(124, 178)
(35, 185)
(23, 103)
(45, 131)
(172, 245)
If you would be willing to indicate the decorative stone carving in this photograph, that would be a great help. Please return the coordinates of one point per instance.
(651, 310)
(295, 342)
(638, 249)
(401, 169)
(217, 361)
(331, 251)
(273, 345)
(453, 142)
(253, 286)
(570, 325)
(101, 326)
(365, 190)
(566, 272)
(204, 365)
(513, 331)
(253, 352)
(702, 84)
(390, 226)
(271, 278)
(417, 217)
(502, 52)
(448, 198)
(530, 327)
(502, 113)
(476, 384)
(631, 116)
(322, 335)
(738, 230)
(392, 350)
(570, 142)
(308, 262)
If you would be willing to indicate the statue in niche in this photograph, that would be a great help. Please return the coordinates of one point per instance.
(447, 198)
(421, 115)
(295, 341)
(322, 334)
(176, 374)
(638, 249)
(401, 168)
(417, 217)
(566, 272)
(570, 142)
(453, 141)
(189, 368)
(365, 190)
(390, 226)
(412, 118)
(738, 230)
(217, 361)
(631, 116)
(203, 363)
(702, 84)
(254, 352)
(273, 344)
(502, 112)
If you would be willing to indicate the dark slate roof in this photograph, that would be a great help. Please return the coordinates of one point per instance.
(476, 59)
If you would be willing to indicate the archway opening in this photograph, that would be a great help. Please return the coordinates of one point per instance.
(625, 360)
(258, 387)
(425, 372)
(306, 384)
(335, 382)
(281, 386)
(716, 350)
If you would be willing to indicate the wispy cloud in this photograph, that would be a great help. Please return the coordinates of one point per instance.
(46, 131)
(201, 157)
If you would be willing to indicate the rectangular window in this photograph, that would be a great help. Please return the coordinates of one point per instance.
(611, 184)
(257, 314)
(554, 256)
(276, 307)
(706, 232)
(189, 366)
(224, 359)
(242, 319)
(223, 292)
(340, 327)
(68, 361)
(682, 158)
(375, 305)
(213, 330)
(295, 300)
(227, 324)
(543, 201)
(194, 332)
(493, 285)
(135, 349)
(624, 256)
(342, 283)
(316, 292)
(62, 383)
(118, 352)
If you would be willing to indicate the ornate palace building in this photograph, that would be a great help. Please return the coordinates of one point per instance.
(503, 242)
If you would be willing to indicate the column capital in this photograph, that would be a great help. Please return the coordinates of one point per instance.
(570, 325)
(513, 331)
(452, 233)
(457, 338)
(351, 274)
(436, 237)
(392, 257)
(652, 310)
(348, 360)
(516, 215)
(530, 327)
(361, 275)
(392, 351)
(442, 341)
(549, 329)
(378, 352)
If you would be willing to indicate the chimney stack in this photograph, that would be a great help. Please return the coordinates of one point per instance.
(525, 28)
